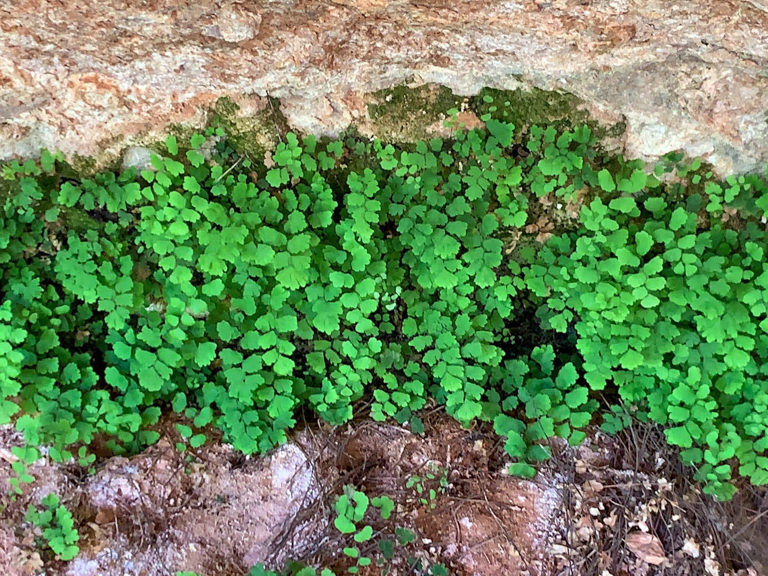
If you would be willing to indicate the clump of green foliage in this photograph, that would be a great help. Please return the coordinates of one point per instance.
(57, 525)
(554, 403)
(669, 308)
(234, 301)
(236, 293)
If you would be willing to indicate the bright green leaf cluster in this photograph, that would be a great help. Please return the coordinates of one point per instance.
(236, 293)
(671, 310)
(57, 525)
(548, 401)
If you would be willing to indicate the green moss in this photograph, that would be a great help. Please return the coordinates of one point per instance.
(86, 166)
(404, 114)
(183, 134)
(527, 106)
(524, 107)
(251, 135)
(613, 131)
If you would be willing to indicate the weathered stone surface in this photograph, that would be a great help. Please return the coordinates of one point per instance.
(137, 157)
(94, 75)
(156, 512)
(202, 514)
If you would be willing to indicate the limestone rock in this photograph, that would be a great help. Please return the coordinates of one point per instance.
(200, 514)
(94, 76)
(235, 24)
(138, 157)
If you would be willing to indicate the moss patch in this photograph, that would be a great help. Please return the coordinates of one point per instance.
(407, 114)
(524, 107)
(404, 114)
(89, 166)
(528, 106)
(254, 134)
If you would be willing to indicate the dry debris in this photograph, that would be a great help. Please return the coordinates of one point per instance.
(632, 511)
(613, 507)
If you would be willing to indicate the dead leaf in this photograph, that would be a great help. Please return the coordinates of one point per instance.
(646, 547)
(711, 567)
(691, 548)
(34, 563)
(560, 550)
(592, 487)
(105, 516)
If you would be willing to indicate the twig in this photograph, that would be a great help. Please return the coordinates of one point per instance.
(230, 168)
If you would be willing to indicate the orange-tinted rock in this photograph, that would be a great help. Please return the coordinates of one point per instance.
(92, 76)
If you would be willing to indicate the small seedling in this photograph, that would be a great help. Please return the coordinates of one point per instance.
(57, 525)
(351, 507)
(430, 485)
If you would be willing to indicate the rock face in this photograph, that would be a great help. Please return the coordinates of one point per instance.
(96, 75)
(157, 513)
(203, 514)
